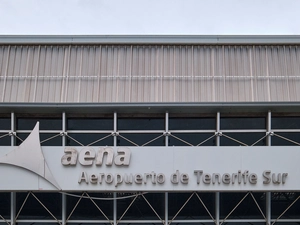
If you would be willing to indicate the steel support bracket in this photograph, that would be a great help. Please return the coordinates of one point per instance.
(114, 134)
(219, 134)
(167, 133)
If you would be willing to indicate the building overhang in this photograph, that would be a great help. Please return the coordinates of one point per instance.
(152, 108)
(149, 39)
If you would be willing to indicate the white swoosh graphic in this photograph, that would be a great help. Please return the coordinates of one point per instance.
(29, 156)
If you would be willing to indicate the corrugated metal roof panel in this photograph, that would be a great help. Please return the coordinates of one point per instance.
(149, 73)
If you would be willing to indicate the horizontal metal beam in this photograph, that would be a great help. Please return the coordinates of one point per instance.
(150, 39)
(144, 108)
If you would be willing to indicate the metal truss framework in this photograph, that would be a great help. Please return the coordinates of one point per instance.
(96, 202)
(166, 219)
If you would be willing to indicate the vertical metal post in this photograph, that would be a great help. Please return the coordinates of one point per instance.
(13, 194)
(13, 208)
(166, 208)
(268, 194)
(166, 144)
(167, 129)
(64, 122)
(12, 128)
(217, 194)
(218, 122)
(64, 208)
(115, 128)
(269, 129)
(115, 194)
(115, 208)
(217, 209)
(268, 207)
(64, 197)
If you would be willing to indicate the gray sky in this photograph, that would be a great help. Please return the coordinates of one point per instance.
(105, 17)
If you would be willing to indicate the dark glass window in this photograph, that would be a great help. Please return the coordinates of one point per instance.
(231, 123)
(249, 223)
(105, 223)
(50, 139)
(285, 139)
(188, 123)
(182, 139)
(140, 210)
(5, 124)
(231, 139)
(247, 209)
(285, 122)
(45, 139)
(86, 209)
(90, 139)
(32, 209)
(5, 139)
(121, 222)
(280, 201)
(5, 205)
(46, 123)
(141, 139)
(90, 124)
(53, 222)
(193, 209)
(202, 223)
(129, 123)
(21, 137)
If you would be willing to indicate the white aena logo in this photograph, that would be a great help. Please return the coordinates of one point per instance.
(87, 156)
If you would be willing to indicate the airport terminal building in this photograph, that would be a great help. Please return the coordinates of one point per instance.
(149, 130)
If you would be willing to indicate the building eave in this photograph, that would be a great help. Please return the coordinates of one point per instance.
(199, 108)
(149, 39)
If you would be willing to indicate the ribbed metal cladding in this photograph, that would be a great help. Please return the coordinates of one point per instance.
(149, 73)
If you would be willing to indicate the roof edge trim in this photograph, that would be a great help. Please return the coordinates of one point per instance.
(150, 39)
(151, 107)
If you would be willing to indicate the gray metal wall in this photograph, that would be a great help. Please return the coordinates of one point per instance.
(149, 73)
